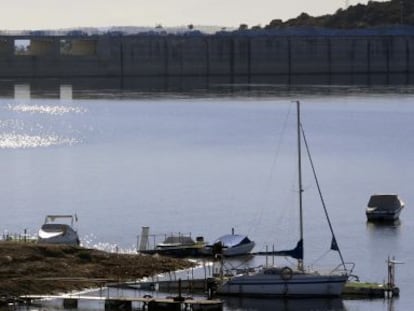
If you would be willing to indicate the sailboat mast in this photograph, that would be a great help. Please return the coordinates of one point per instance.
(300, 261)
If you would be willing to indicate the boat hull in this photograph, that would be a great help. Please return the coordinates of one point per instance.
(300, 285)
(237, 250)
(178, 252)
(382, 215)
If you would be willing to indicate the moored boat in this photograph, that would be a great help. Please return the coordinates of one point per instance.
(384, 207)
(231, 245)
(177, 245)
(53, 231)
(284, 281)
(270, 281)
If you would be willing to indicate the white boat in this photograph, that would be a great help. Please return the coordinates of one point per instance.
(384, 207)
(54, 231)
(286, 281)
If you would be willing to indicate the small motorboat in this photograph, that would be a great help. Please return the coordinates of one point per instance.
(231, 245)
(53, 231)
(177, 245)
(384, 207)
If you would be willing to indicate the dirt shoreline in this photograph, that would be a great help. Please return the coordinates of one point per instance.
(51, 269)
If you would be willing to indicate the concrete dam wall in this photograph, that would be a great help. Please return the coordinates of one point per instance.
(228, 54)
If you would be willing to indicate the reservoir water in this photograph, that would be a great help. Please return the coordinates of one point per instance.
(207, 162)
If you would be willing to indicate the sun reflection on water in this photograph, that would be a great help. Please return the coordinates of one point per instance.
(91, 241)
(25, 128)
(46, 109)
(23, 141)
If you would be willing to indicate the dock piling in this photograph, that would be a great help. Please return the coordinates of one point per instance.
(70, 303)
(392, 290)
(154, 305)
(118, 305)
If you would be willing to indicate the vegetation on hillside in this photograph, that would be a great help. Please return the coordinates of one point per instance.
(49, 269)
(373, 14)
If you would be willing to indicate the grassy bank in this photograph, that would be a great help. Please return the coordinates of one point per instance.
(50, 269)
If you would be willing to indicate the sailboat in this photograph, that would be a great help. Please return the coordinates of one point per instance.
(285, 281)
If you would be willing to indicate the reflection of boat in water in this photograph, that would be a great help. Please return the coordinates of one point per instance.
(257, 304)
(53, 232)
(384, 207)
(381, 231)
(231, 245)
(284, 281)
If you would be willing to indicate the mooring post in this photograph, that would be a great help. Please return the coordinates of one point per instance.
(115, 304)
(390, 278)
(179, 298)
(179, 288)
(211, 288)
(392, 290)
(70, 303)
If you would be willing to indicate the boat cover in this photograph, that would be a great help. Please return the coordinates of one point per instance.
(48, 231)
(231, 240)
(48, 235)
(177, 240)
(384, 201)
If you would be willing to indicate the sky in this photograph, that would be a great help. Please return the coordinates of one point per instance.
(57, 14)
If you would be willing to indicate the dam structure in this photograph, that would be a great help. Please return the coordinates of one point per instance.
(244, 54)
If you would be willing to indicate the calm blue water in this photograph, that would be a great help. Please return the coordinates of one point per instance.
(205, 165)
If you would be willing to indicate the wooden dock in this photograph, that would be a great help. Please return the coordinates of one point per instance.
(125, 303)
(369, 290)
(351, 290)
(375, 290)
(191, 285)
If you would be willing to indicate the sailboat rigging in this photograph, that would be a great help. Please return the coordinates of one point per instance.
(284, 281)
